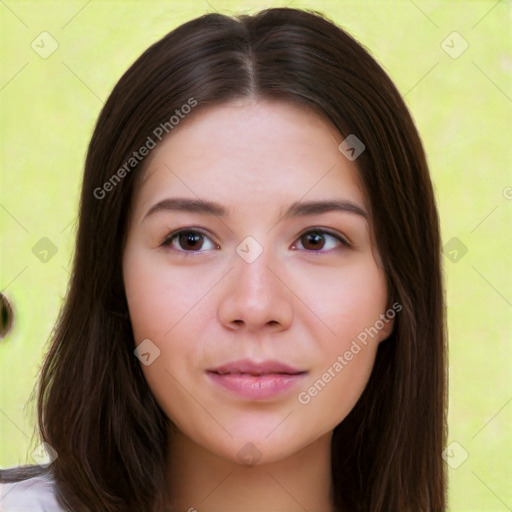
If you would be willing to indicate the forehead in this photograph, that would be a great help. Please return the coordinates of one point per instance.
(250, 150)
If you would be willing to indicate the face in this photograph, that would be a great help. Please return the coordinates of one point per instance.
(260, 312)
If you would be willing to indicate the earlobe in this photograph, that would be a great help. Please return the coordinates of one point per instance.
(388, 319)
(386, 331)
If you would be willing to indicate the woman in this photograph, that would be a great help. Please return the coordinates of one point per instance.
(255, 318)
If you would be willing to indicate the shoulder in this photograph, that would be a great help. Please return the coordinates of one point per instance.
(36, 494)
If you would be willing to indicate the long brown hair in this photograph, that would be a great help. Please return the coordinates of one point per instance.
(94, 405)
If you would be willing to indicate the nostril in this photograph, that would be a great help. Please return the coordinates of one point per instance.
(6, 316)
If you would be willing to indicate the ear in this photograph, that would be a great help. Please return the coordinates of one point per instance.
(386, 331)
(388, 320)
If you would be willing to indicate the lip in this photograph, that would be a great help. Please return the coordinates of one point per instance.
(258, 381)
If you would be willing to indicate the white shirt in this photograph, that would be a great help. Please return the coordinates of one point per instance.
(35, 494)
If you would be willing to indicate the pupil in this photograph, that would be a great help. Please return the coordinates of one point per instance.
(316, 239)
(191, 239)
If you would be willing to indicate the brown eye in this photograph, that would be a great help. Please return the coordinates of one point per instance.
(313, 240)
(187, 241)
(318, 239)
(190, 240)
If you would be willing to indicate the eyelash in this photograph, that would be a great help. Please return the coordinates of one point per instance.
(169, 239)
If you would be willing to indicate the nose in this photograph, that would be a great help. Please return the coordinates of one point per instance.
(255, 296)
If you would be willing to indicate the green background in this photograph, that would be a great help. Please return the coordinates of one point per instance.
(463, 110)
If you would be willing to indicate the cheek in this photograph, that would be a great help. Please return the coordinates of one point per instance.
(351, 302)
(158, 296)
(351, 309)
(161, 305)
(335, 390)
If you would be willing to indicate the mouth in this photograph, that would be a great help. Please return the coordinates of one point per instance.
(247, 367)
(257, 381)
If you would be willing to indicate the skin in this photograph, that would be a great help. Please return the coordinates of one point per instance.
(301, 303)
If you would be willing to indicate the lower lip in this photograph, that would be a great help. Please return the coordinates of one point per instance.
(257, 387)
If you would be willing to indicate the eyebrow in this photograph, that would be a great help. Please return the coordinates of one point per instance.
(296, 209)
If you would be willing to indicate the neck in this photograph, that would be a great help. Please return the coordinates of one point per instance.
(199, 480)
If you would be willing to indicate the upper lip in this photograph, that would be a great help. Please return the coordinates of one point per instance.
(246, 366)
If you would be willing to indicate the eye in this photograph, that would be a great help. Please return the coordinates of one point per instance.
(317, 239)
(188, 241)
(192, 241)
